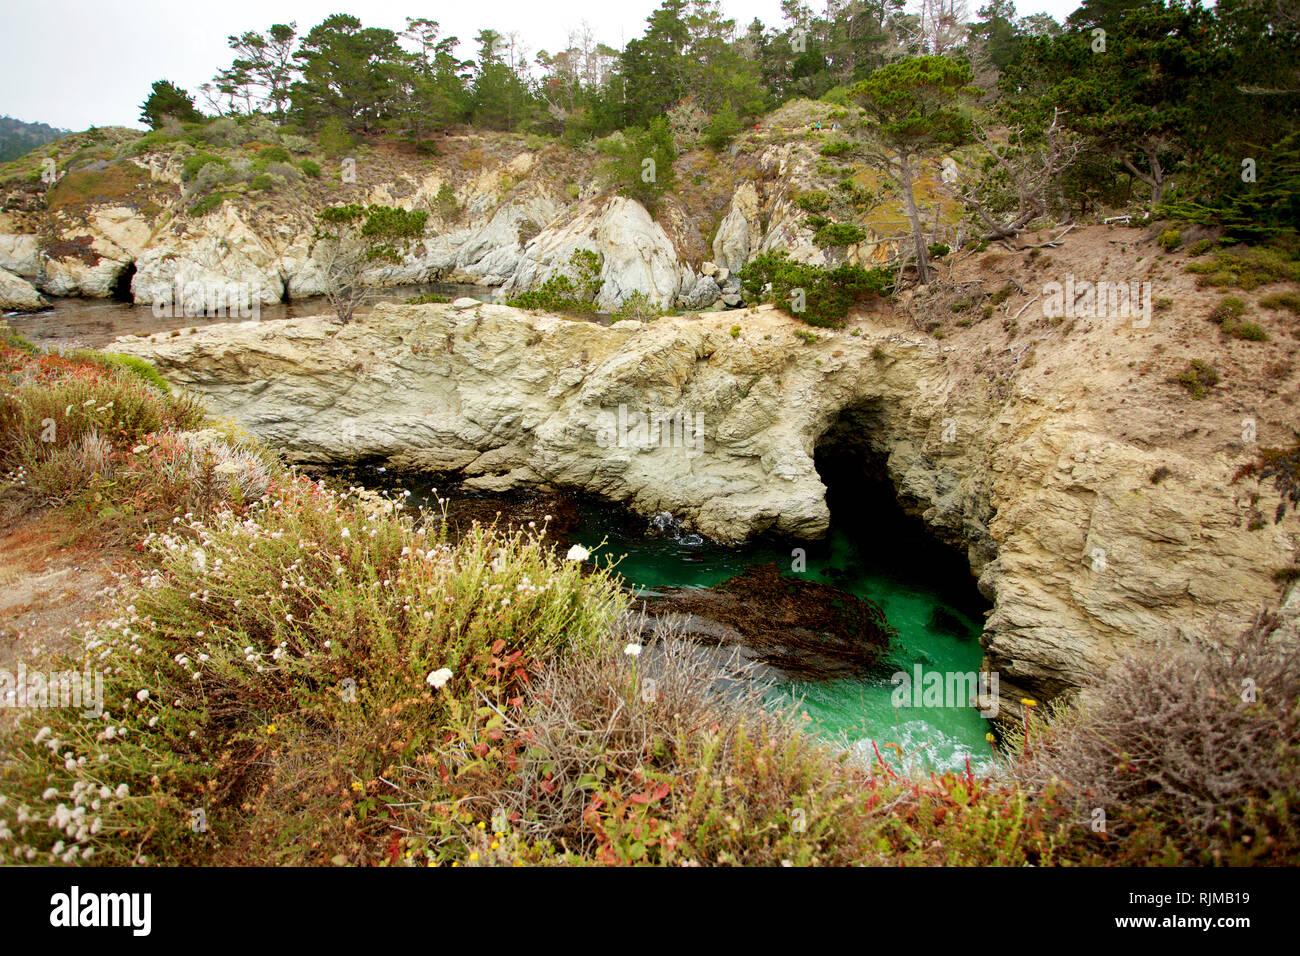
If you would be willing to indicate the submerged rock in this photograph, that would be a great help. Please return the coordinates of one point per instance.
(804, 629)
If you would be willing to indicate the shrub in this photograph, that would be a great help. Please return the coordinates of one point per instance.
(595, 768)
(447, 205)
(1170, 240)
(1200, 247)
(724, 125)
(639, 306)
(196, 161)
(1247, 267)
(641, 161)
(137, 366)
(1290, 299)
(222, 131)
(1250, 331)
(207, 204)
(428, 298)
(1197, 378)
(333, 138)
(827, 294)
(310, 168)
(562, 293)
(813, 201)
(836, 147)
(1189, 762)
(839, 234)
(284, 171)
(285, 653)
(263, 181)
(273, 154)
(1230, 307)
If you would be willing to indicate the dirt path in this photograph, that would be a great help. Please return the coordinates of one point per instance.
(50, 585)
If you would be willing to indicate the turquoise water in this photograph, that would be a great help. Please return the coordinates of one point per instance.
(926, 596)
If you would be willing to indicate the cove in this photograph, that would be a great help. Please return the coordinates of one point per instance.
(874, 551)
(932, 605)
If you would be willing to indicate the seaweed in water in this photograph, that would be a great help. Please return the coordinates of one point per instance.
(809, 630)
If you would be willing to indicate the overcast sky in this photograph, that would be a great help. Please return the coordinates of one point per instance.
(78, 63)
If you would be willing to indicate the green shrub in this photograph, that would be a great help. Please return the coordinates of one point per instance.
(1247, 267)
(448, 206)
(1198, 377)
(825, 294)
(245, 699)
(724, 125)
(333, 137)
(141, 368)
(562, 293)
(1170, 240)
(310, 168)
(196, 161)
(1230, 307)
(207, 204)
(1290, 299)
(836, 147)
(639, 306)
(1250, 331)
(273, 154)
(813, 201)
(839, 234)
(1200, 247)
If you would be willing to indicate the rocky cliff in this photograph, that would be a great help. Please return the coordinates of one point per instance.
(124, 220)
(1099, 506)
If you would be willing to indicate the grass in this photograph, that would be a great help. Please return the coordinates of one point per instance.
(122, 183)
(1289, 299)
(1246, 267)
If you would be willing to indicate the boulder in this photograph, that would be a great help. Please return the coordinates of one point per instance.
(740, 234)
(636, 254)
(704, 294)
(18, 295)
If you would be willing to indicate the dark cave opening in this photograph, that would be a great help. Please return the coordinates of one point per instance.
(121, 288)
(851, 459)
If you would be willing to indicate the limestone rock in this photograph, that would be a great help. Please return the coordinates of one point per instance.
(740, 233)
(637, 255)
(18, 295)
(704, 293)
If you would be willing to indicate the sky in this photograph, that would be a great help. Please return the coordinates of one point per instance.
(80, 63)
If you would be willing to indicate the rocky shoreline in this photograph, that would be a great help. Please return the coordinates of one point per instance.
(1029, 480)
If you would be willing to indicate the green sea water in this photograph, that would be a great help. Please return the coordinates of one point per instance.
(927, 597)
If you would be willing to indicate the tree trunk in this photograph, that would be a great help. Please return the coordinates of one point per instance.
(914, 217)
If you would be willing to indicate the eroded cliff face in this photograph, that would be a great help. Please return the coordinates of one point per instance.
(1038, 474)
(499, 215)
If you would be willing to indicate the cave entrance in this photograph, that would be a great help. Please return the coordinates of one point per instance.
(121, 288)
(851, 459)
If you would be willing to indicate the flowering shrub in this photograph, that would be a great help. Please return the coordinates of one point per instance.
(277, 668)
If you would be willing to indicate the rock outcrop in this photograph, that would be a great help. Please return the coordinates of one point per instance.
(1090, 530)
(18, 295)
